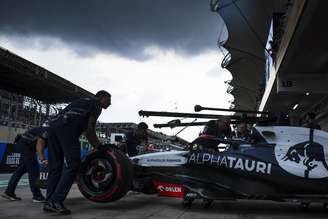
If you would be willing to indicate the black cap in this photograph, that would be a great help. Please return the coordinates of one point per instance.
(142, 125)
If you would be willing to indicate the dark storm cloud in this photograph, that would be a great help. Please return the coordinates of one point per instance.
(122, 27)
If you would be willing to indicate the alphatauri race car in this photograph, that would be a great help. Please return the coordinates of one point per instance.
(279, 163)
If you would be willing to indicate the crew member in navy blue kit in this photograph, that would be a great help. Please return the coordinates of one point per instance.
(134, 139)
(218, 128)
(78, 117)
(29, 143)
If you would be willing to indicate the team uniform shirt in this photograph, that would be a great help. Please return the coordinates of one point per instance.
(243, 136)
(31, 136)
(212, 129)
(131, 143)
(77, 113)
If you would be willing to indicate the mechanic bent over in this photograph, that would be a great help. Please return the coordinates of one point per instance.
(134, 139)
(64, 146)
(31, 142)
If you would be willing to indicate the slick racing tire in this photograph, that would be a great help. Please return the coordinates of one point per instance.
(105, 175)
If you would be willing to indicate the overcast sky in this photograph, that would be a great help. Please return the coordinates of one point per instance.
(149, 56)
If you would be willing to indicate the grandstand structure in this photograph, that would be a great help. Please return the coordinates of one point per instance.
(29, 94)
(21, 76)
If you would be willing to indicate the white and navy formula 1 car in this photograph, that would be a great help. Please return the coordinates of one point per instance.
(278, 163)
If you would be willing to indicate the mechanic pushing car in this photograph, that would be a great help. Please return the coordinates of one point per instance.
(78, 117)
(241, 132)
(134, 139)
(31, 142)
(218, 128)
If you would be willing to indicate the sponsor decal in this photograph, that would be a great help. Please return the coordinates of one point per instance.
(230, 162)
(164, 160)
(13, 159)
(43, 175)
(169, 189)
(306, 159)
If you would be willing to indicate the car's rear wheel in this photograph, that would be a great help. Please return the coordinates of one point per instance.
(105, 175)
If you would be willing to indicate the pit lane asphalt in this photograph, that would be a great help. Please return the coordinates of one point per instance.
(135, 205)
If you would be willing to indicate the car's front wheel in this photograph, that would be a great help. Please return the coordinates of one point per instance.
(105, 175)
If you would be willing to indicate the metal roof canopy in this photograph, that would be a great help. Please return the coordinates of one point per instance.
(248, 23)
(304, 56)
(21, 76)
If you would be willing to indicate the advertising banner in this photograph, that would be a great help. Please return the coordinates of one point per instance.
(10, 157)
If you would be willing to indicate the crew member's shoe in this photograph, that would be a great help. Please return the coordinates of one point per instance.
(10, 197)
(39, 199)
(47, 207)
(56, 207)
